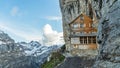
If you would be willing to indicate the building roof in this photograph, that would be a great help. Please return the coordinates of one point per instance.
(78, 17)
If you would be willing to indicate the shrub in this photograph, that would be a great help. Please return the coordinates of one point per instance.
(56, 58)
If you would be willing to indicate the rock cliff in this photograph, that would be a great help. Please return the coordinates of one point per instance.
(108, 34)
(107, 13)
(70, 10)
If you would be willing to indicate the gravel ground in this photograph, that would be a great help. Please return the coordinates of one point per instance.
(76, 62)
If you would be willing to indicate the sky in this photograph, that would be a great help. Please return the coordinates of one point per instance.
(26, 20)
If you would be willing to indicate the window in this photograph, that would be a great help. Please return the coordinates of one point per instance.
(94, 39)
(89, 40)
(81, 25)
(85, 40)
(72, 32)
(75, 26)
(81, 40)
(81, 32)
(77, 33)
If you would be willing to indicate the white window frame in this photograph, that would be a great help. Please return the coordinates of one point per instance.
(82, 25)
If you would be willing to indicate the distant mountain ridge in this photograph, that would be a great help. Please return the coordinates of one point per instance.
(22, 54)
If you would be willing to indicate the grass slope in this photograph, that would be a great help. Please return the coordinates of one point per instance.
(56, 58)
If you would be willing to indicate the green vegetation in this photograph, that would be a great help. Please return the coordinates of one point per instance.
(56, 58)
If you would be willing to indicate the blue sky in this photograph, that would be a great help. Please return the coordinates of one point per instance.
(24, 20)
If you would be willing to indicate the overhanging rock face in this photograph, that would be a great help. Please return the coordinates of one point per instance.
(71, 9)
(107, 12)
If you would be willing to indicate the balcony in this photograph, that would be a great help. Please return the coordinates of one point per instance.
(77, 30)
(83, 29)
(82, 34)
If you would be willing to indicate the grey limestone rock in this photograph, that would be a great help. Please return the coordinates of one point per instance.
(107, 12)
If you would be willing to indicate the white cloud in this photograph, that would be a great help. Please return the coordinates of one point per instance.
(25, 35)
(15, 11)
(54, 18)
(49, 37)
(52, 37)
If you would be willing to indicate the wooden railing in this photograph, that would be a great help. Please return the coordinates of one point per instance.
(83, 29)
(82, 34)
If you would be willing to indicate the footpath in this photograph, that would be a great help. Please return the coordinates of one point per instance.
(76, 62)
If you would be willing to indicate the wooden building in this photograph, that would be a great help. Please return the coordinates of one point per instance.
(83, 33)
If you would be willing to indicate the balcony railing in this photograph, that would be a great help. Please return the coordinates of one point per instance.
(82, 34)
(82, 29)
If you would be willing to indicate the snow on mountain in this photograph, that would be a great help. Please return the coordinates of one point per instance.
(22, 54)
(1, 31)
(33, 48)
(5, 39)
(38, 52)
